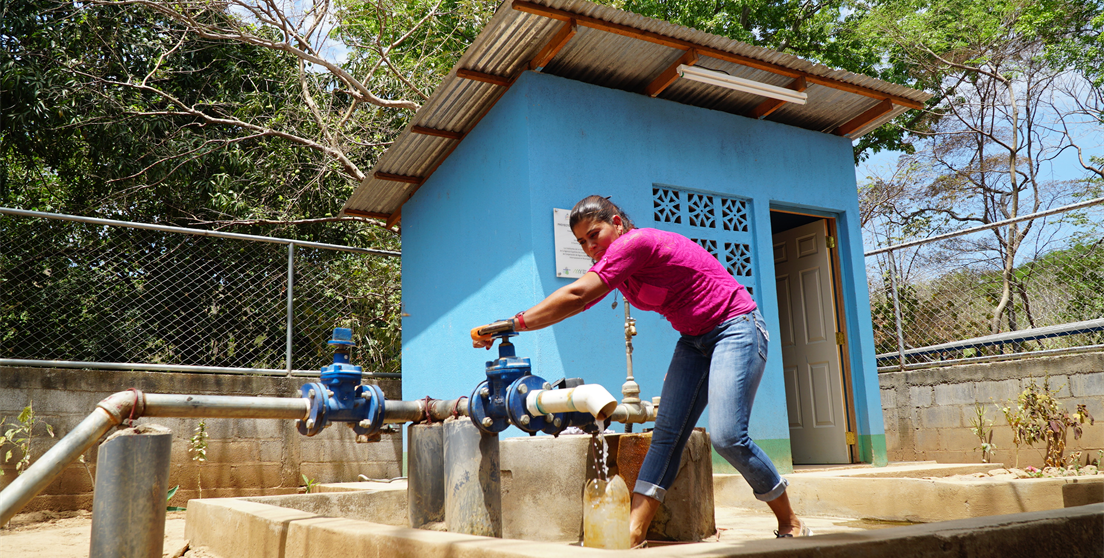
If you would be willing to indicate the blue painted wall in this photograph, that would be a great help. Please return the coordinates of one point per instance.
(478, 246)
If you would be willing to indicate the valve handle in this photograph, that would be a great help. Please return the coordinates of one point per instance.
(497, 328)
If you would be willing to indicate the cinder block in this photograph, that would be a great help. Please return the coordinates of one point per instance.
(1060, 385)
(889, 398)
(959, 439)
(921, 396)
(1087, 385)
(348, 472)
(955, 394)
(927, 440)
(999, 393)
(941, 417)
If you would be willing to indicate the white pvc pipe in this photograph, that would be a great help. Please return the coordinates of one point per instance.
(590, 398)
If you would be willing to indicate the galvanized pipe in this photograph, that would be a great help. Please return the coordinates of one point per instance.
(290, 304)
(225, 406)
(415, 411)
(630, 413)
(133, 404)
(128, 506)
(53, 462)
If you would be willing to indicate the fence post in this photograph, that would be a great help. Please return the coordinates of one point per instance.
(290, 303)
(897, 310)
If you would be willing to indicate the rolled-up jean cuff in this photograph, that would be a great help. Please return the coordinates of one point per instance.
(769, 495)
(650, 490)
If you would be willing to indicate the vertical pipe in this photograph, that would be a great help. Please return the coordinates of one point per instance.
(473, 488)
(128, 506)
(897, 311)
(425, 489)
(290, 303)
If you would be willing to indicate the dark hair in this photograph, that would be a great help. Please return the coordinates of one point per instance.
(598, 208)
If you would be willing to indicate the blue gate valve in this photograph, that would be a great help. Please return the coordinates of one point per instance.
(487, 405)
(339, 396)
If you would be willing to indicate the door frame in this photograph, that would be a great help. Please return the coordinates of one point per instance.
(842, 322)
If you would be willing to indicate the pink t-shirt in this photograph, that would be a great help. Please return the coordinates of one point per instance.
(668, 273)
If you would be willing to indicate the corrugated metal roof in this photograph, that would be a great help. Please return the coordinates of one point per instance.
(620, 50)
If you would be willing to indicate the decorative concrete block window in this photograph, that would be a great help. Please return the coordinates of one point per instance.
(718, 223)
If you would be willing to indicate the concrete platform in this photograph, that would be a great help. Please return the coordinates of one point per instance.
(237, 528)
(839, 503)
(916, 492)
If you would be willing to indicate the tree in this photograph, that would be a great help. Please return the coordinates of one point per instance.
(998, 121)
(81, 135)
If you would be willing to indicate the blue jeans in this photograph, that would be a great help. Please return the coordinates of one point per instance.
(726, 365)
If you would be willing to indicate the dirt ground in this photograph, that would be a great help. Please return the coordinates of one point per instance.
(68, 535)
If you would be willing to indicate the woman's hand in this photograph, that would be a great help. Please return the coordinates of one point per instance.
(483, 336)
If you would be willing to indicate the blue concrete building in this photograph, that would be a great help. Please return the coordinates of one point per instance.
(528, 123)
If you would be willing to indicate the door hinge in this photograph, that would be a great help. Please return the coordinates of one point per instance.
(852, 439)
(840, 338)
(831, 241)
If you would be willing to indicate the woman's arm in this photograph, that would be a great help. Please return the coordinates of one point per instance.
(566, 301)
(560, 305)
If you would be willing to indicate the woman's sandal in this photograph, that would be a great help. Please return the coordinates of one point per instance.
(805, 531)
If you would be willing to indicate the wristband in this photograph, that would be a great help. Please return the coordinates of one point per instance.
(519, 319)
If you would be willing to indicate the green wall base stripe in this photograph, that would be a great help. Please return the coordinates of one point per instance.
(872, 449)
(778, 450)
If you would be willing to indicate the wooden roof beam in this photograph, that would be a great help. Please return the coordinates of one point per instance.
(394, 218)
(668, 76)
(436, 132)
(865, 118)
(668, 41)
(558, 41)
(485, 78)
(399, 178)
(369, 214)
(770, 105)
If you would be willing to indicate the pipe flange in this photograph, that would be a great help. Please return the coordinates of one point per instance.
(478, 406)
(375, 401)
(316, 394)
(518, 412)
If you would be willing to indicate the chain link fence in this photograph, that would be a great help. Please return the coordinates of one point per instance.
(953, 298)
(77, 291)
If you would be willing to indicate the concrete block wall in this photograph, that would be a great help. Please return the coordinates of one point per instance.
(245, 457)
(928, 413)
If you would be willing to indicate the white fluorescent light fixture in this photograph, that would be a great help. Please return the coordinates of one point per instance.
(721, 79)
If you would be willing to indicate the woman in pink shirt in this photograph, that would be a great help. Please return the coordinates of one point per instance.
(720, 356)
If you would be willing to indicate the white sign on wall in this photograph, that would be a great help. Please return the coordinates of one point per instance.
(571, 261)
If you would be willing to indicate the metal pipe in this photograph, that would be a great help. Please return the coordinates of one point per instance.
(42, 472)
(1055, 211)
(591, 398)
(113, 409)
(897, 310)
(630, 413)
(225, 406)
(290, 303)
(128, 505)
(415, 411)
(196, 232)
(172, 368)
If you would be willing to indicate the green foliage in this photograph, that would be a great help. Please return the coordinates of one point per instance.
(19, 434)
(172, 492)
(73, 140)
(198, 442)
(983, 429)
(1037, 417)
(309, 484)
